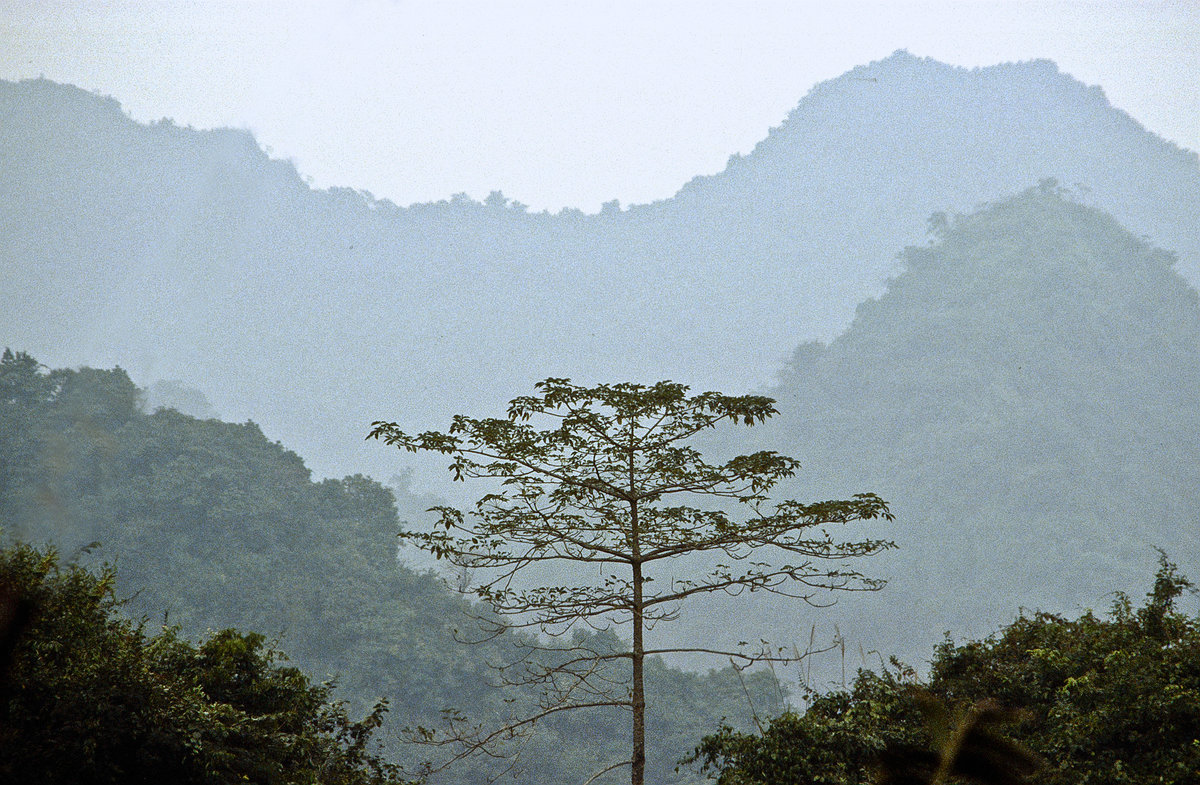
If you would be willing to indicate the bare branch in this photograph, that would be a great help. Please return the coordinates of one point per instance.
(604, 771)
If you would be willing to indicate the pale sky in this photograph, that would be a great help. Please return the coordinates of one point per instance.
(560, 103)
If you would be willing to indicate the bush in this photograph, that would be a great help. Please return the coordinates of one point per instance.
(87, 697)
(1103, 701)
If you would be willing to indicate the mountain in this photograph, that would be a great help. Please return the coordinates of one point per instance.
(194, 256)
(1026, 395)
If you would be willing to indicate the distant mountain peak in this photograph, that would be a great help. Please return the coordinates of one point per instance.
(191, 244)
(1038, 277)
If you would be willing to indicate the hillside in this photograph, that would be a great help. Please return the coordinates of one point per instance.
(193, 255)
(1026, 394)
(211, 525)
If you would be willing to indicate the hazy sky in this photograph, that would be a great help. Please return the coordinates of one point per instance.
(560, 103)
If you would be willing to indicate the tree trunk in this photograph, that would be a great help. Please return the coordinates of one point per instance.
(638, 774)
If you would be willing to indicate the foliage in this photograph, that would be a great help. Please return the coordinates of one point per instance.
(1102, 701)
(1111, 701)
(968, 746)
(88, 698)
(615, 483)
(838, 739)
(883, 730)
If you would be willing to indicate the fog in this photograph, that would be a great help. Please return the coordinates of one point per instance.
(963, 257)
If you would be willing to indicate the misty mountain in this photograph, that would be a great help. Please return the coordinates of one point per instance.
(194, 256)
(1026, 394)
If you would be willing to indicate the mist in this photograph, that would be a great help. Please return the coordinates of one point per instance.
(971, 290)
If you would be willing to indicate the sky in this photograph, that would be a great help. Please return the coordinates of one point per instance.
(560, 104)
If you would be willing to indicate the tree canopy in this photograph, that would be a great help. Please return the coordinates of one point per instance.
(1107, 700)
(87, 697)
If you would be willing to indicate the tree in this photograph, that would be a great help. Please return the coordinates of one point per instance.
(839, 739)
(1110, 701)
(884, 731)
(613, 480)
(86, 697)
(968, 747)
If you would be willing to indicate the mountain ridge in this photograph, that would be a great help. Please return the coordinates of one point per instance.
(193, 255)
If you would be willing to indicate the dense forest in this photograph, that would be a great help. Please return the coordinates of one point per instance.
(86, 696)
(1110, 700)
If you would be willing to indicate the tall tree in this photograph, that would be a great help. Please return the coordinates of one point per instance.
(608, 476)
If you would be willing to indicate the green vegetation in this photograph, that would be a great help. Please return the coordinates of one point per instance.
(216, 527)
(615, 482)
(1104, 701)
(87, 697)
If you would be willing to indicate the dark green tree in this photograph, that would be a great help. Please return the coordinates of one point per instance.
(1106, 701)
(25, 391)
(838, 740)
(87, 697)
(1110, 701)
(609, 477)
(969, 746)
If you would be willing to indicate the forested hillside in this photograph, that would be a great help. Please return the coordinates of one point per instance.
(211, 525)
(193, 255)
(1026, 394)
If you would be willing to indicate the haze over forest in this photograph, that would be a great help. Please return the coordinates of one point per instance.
(971, 291)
